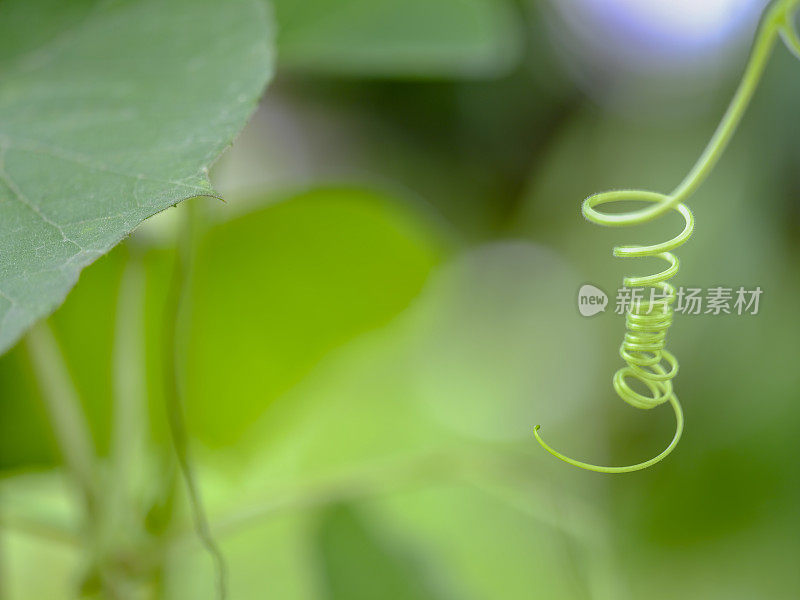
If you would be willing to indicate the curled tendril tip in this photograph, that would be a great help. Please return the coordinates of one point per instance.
(647, 322)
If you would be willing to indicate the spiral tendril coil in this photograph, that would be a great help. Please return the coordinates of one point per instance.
(647, 321)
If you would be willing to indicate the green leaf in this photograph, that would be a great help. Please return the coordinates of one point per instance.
(278, 289)
(25, 433)
(25, 438)
(384, 38)
(479, 543)
(267, 559)
(358, 565)
(109, 113)
(38, 534)
(425, 383)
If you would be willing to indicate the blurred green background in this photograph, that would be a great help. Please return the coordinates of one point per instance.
(386, 304)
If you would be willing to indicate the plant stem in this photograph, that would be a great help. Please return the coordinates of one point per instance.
(172, 393)
(129, 393)
(485, 470)
(64, 409)
(40, 529)
(772, 21)
(74, 440)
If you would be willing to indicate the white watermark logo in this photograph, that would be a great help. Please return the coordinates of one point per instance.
(691, 301)
(717, 300)
(591, 300)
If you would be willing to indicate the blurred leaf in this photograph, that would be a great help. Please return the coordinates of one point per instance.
(87, 353)
(270, 559)
(25, 437)
(677, 520)
(392, 405)
(491, 334)
(101, 128)
(277, 289)
(358, 565)
(27, 558)
(484, 549)
(398, 38)
(41, 501)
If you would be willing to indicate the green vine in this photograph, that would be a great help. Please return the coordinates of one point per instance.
(643, 348)
(172, 389)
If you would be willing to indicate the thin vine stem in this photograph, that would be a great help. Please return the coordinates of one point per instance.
(776, 21)
(40, 529)
(65, 412)
(74, 442)
(130, 398)
(173, 393)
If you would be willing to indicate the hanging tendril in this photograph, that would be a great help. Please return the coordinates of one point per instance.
(647, 321)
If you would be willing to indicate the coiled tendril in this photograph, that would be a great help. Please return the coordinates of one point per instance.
(647, 321)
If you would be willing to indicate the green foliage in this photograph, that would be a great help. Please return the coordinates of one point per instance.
(247, 344)
(310, 273)
(110, 113)
(406, 38)
(360, 390)
(357, 565)
(25, 439)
